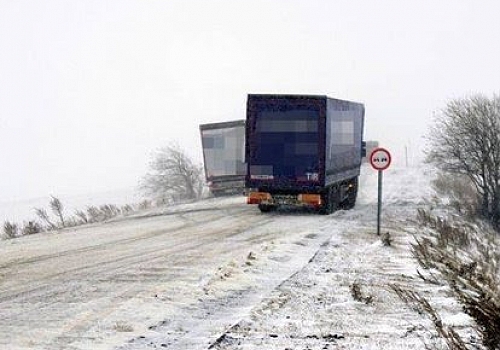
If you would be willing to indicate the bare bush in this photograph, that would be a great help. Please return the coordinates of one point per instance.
(127, 209)
(42, 214)
(94, 214)
(72, 221)
(82, 216)
(10, 229)
(109, 211)
(57, 209)
(101, 213)
(173, 176)
(31, 227)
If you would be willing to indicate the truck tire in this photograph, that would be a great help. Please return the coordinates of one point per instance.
(330, 200)
(266, 208)
(352, 194)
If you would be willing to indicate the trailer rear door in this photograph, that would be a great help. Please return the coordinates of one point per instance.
(285, 146)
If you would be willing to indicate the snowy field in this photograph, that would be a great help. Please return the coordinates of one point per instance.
(218, 274)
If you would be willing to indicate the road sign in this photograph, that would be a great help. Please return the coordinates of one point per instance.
(380, 158)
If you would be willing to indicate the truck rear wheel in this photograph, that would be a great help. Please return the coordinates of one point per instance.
(330, 201)
(352, 194)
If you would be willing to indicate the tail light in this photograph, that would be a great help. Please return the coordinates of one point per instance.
(258, 197)
(310, 199)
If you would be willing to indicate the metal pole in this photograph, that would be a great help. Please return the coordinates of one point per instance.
(379, 206)
(406, 155)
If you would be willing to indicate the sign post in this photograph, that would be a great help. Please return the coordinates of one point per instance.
(380, 159)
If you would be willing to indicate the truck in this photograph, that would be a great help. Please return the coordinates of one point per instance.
(369, 147)
(223, 146)
(303, 150)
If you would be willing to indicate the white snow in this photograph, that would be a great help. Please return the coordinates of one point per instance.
(219, 274)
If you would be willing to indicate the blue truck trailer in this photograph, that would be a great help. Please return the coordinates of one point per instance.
(223, 147)
(303, 150)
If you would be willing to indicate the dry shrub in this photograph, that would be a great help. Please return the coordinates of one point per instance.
(121, 326)
(109, 211)
(82, 217)
(101, 213)
(58, 210)
(387, 239)
(446, 231)
(358, 295)
(420, 304)
(94, 214)
(31, 227)
(10, 229)
(44, 216)
(466, 257)
(127, 209)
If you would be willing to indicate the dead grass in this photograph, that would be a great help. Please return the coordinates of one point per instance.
(122, 327)
(465, 256)
(358, 295)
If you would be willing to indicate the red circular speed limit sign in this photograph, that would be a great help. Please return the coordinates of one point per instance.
(380, 159)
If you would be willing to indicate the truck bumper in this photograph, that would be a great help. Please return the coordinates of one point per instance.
(303, 199)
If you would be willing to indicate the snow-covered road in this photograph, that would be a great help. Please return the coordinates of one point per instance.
(97, 286)
(218, 274)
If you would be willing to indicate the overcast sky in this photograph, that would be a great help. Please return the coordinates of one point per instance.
(89, 89)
